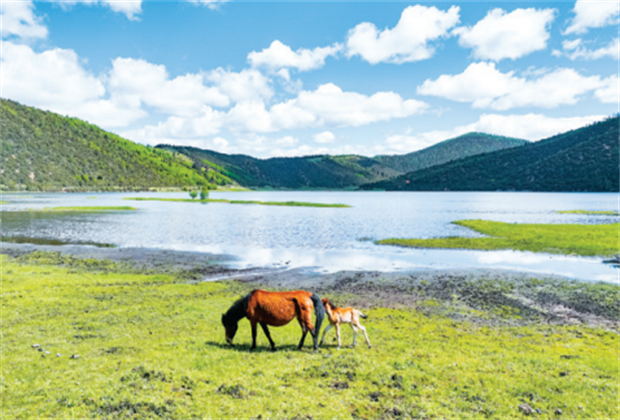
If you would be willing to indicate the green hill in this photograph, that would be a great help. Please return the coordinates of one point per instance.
(463, 146)
(44, 151)
(293, 173)
(324, 171)
(586, 159)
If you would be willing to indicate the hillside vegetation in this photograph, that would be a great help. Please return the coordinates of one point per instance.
(586, 159)
(44, 151)
(344, 171)
(294, 173)
(457, 148)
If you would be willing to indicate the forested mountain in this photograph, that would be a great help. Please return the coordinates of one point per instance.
(586, 159)
(463, 146)
(324, 171)
(44, 151)
(297, 172)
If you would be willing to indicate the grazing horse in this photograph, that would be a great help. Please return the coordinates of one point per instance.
(337, 316)
(276, 309)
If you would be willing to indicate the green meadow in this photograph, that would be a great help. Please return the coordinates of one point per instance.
(95, 339)
(221, 200)
(586, 240)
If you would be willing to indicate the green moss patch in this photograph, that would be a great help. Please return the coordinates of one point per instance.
(221, 200)
(591, 212)
(95, 340)
(89, 209)
(586, 240)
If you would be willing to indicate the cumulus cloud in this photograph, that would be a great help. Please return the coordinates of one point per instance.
(130, 8)
(139, 81)
(576, 50)
(211, 4)
(609, 92)
(511, 35)
(408, 41)
(324, 137)
(327, 106)
(531, 127)
(19, 20)
(246, 85)
(280, 56)
(486, 87)
(593, 14)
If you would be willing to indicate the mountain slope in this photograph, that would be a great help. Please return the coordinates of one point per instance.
(586, 159)
(296, 172)
(457, 148)
(45, 151)
(324, 171)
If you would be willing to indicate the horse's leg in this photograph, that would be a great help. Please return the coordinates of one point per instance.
(365, 335)
(266, 331)
(354, 335)
(324, 332)
(253, 335)
(338, 335)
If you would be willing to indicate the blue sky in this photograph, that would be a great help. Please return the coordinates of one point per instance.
(297, 78)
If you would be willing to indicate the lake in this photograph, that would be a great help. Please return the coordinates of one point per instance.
(319, 239)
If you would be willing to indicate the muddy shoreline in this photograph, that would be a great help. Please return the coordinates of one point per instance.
(485, 296)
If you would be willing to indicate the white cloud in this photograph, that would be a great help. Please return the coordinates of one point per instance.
(610, 90)
(407, 41)
(327, 106)
(486, 87)
(246, 85)
(576, 50)
(511, 35)
(593, 14)
(18, 20)
(129, 8)
(211, 4)
(140, 81)
(531, 127)
(280, 56)
(324, 137)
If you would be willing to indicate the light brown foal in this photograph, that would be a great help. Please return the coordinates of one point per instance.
(337, 316)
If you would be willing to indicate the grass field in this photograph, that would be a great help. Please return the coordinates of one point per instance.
(221, 200)
(117, 343)
(586, 240)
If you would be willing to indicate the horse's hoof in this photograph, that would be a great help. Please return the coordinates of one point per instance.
(273, 349)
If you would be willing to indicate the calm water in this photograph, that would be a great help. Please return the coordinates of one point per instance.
(327, 239)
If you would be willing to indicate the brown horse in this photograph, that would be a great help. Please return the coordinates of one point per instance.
(276, 309)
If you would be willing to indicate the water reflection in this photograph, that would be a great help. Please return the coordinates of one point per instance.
(323, 238)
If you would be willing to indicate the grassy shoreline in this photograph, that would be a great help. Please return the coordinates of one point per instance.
(221, 200)
(590, 212)
(150, 345)
(584, 240)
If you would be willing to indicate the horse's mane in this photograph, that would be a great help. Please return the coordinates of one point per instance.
(238, 309)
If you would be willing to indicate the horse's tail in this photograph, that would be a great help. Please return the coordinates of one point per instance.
(363, 316)
(319, 311)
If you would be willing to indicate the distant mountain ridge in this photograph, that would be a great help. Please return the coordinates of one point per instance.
(586, 159)
(344, 171)
(457, 148)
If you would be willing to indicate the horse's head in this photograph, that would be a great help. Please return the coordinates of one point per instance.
(231, 328)
(328, 305)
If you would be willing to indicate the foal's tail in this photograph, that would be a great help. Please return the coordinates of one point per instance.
(363, 316)
(319, 311)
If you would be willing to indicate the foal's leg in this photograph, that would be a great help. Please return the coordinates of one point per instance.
(354, 335)
(338, 335)
(253, 323)
(324, 332)
(365, 335)
(266, 331)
